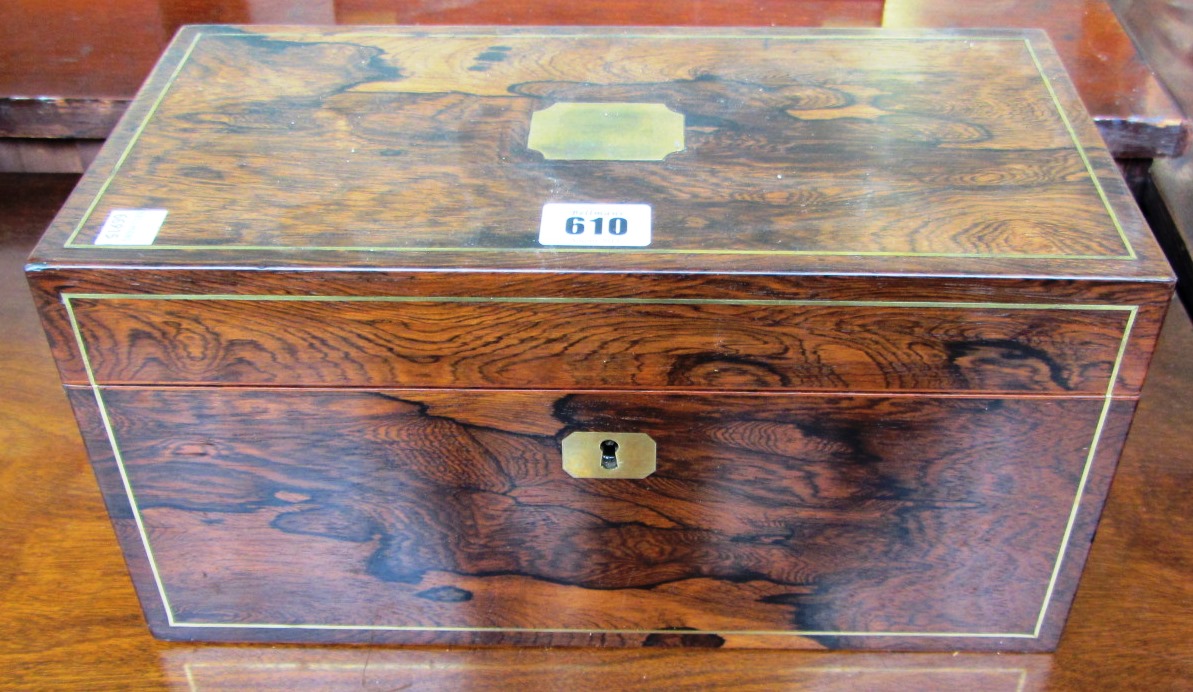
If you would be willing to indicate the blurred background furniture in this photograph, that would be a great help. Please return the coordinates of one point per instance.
(1162, 30)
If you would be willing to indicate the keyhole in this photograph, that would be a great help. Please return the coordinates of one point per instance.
(609, 454)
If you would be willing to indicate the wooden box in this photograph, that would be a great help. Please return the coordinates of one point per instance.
(615, 337)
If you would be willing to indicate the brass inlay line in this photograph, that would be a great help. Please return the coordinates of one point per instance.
(1034, 634)
(375, 665)
(614, 34)
(124, 479)
(1089, 461)
(1089, 168)
(596, 301)
(649, 251)
(70, 242)
(186, 56)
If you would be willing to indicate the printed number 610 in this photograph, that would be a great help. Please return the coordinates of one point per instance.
(578, 226)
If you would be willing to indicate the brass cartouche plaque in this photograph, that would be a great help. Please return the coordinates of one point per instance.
(606, 131)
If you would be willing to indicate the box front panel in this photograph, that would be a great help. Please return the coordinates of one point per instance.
(412, 513)
(827, 345)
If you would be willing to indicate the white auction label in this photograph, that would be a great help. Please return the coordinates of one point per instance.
(131, 227)
(599, 225)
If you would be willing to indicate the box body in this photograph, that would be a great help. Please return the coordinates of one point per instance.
(885, 317)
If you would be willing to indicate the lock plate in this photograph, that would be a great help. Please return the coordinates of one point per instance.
(608, 455)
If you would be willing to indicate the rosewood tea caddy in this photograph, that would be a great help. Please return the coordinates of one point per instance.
(634, 337)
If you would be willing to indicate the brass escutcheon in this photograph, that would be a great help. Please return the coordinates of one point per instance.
(608, 455)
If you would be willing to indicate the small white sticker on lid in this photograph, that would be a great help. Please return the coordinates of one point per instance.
(131, 227)
(595, 225)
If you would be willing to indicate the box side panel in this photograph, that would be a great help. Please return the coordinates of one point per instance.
(56, 323)
(1141, 343)
(1088, 514)
(116, 496)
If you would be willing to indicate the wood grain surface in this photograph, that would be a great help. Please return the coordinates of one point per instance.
(100, 55)
(829, 155)
(965, 346)
(73, 620)
(940, 145)
(984, 232)
(1087, 35)
(912, 505)
(532, 343)
(435, 510)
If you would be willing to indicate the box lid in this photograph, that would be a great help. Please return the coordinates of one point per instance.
(731, 151)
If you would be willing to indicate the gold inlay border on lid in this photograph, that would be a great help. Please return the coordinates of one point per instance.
(1128, 254)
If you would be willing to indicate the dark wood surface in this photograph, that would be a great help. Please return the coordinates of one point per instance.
(440, 509)
(960, 452)
(983, 162)
(72, 618)
(82, 56)
(656, 345)
(854, 146)
(1108, 71)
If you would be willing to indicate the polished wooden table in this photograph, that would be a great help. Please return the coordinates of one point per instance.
(70, 620)
(68, 69)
